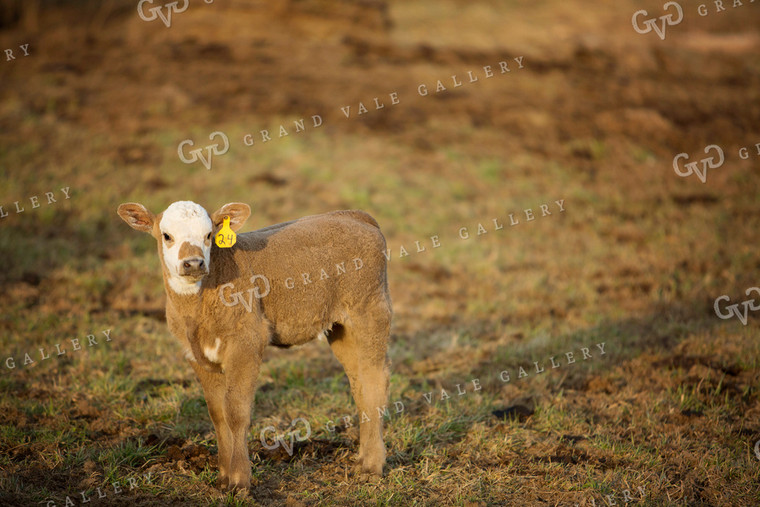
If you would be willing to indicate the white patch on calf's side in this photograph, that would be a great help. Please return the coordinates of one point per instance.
(213, 354)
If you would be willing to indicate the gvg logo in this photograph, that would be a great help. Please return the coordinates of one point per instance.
(158, 12)
(734, 308)
(293, 436)
(665, 20)
(237, 297)
(693, 167)
(211, 149)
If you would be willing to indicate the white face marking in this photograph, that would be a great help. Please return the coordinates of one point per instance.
(213, 354)
(184, 222)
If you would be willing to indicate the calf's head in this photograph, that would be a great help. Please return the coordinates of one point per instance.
(185, 233)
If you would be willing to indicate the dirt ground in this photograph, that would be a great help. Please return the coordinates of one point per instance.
(448, 120)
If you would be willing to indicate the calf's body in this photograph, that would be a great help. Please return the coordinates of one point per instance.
(319, 275)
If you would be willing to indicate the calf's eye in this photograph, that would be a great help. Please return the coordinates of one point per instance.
(208, 236)
(167, 237)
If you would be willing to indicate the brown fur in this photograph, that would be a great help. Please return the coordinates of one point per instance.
(356, 305)
(188, 250)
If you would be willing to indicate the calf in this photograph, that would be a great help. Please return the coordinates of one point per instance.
(224, 344)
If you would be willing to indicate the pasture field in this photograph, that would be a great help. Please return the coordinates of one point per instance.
(555, 338)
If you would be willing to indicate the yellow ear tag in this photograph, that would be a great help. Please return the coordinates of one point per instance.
(226, 237)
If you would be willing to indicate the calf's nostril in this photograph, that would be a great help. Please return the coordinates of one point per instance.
(186, 264)
(200, 265)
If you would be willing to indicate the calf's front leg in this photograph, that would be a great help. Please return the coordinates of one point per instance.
(242, 363)
(214, 389)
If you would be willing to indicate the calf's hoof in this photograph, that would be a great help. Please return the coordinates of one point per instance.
(368, 477)
(369, 474)
(235, 486)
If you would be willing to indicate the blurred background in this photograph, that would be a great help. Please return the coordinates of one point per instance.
(595, 116)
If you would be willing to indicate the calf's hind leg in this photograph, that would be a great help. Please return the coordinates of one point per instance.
(361, 348)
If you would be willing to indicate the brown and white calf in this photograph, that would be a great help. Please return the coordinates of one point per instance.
(225, 344)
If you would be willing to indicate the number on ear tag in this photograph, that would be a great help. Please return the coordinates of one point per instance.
(226, 237)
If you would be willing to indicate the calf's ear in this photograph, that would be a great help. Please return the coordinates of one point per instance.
(237, 211)
(137, 216)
